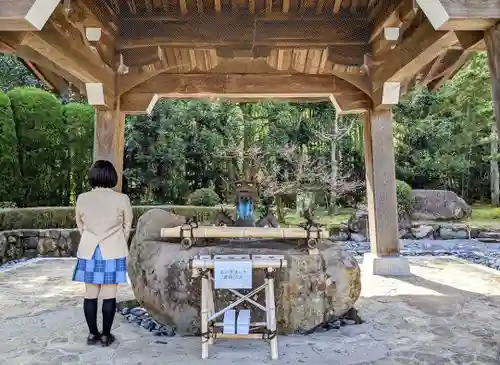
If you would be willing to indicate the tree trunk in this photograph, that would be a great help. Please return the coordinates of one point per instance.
(334, 166)
(280, 211)
(494, 173)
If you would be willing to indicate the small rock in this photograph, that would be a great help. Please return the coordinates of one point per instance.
(454, 231)
(333, 326)
(56, 234)
(358, 237)
(168, 331)
(47, 246)
(30, 243)
(493, 236)
(3, 245)
(137, 312)
(340, 233)
(147, 324)
(422, 231)
(358, 222)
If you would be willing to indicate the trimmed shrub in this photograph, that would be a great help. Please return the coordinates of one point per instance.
(64, 217)
(9, 154)
(43, 159)
(206, 197)
(80, 121)
(404, 197)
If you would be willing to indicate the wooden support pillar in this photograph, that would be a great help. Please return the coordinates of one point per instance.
(381, 195)
(109, 139)
(492, 41)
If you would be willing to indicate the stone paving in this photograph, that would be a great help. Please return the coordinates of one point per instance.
(448, 312)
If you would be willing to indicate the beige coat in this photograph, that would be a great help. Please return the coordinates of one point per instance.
(104, 218)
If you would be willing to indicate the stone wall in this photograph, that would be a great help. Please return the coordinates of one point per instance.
(432, 231)
(23, 243)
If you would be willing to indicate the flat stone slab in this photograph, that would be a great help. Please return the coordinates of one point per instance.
(448, 312)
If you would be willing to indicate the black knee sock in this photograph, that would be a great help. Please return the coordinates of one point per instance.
(108, 315)
(90, 311)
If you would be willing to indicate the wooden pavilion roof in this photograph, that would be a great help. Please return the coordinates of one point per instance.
(358, 53)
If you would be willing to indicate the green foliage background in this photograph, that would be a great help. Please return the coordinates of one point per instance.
(442, 141)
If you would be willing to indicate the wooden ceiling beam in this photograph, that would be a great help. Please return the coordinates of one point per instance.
(420, 48)
(145, 102)
(350, 103)
(243, 83)
(58, 50)
(239, 86)
(59, 84)
(5, 47)
(348, 56)
(429, 72)
(212, 32)
(61, 43)
(470, 42)
(461, 15)
(450, 71)
(389, 14)
(25, 15)
(142, 103)
(35, 70)
(401, 64)
(442, 64)
(83, 17)
(40, 61)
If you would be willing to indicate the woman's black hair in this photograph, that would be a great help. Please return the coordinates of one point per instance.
(102, 174)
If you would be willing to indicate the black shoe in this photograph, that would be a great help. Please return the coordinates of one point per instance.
(107, 340)
(93, 339)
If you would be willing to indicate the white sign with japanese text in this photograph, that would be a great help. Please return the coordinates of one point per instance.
(233, 274)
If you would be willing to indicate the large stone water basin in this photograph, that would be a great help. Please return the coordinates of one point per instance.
(312, 288)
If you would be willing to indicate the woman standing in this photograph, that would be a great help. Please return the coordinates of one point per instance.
(104, 219)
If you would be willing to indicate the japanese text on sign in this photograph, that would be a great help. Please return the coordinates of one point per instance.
(234, 274)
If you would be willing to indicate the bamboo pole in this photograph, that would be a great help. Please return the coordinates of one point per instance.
(256, 264)
(255, 336)
(204, 318)
(243, 232)
(271, 309)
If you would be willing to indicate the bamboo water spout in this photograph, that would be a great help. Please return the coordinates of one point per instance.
(243, 232)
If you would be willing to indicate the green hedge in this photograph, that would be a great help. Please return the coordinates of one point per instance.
(80, 118)
(405, 197)
(9, 154)
(42, 140)
(64, 217)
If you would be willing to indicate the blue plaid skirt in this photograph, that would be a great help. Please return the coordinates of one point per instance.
(100, 271)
